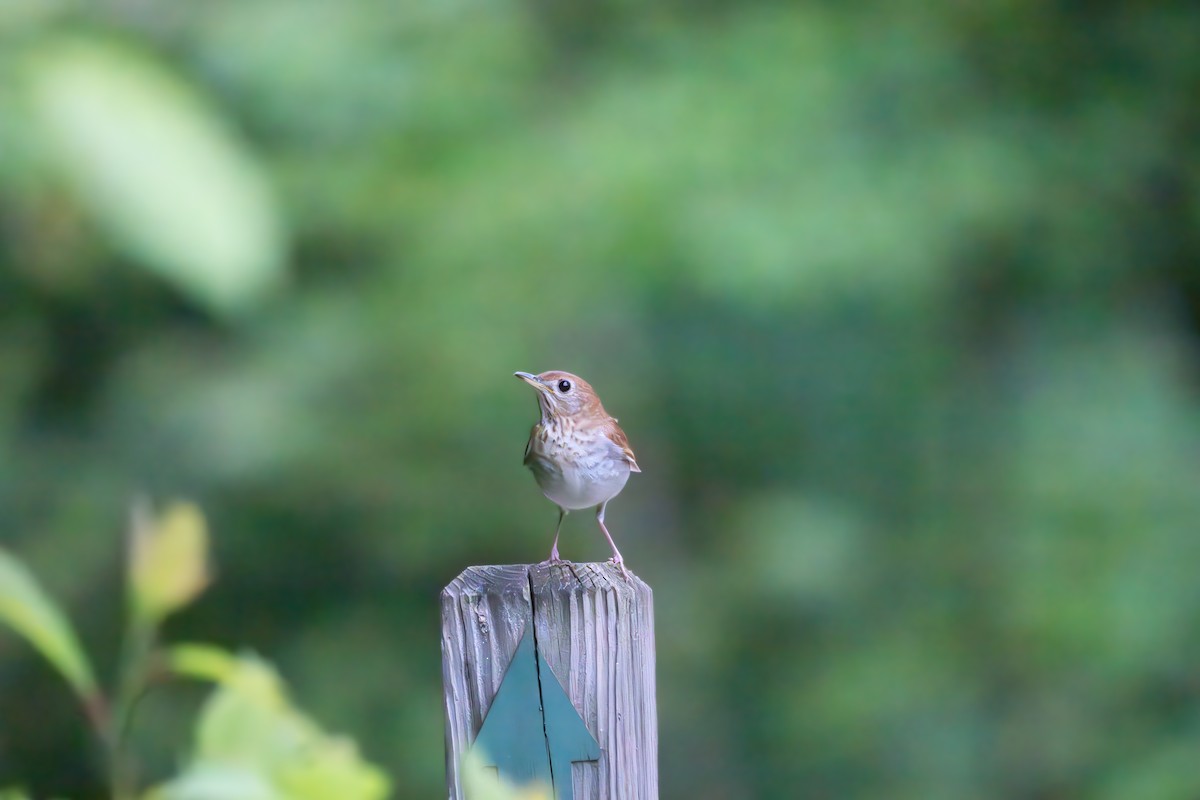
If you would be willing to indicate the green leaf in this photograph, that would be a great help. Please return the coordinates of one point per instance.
(217, 783)
(30, 612)
(249, 734)
(333, 768)
(481, 783)
(168, 561)
(204, 662)
(159, 170)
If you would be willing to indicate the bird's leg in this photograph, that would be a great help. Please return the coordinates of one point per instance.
(616, 559)
(562, 512)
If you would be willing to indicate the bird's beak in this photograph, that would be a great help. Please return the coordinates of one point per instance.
(532, 380)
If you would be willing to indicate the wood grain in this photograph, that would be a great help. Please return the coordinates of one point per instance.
(596, 633)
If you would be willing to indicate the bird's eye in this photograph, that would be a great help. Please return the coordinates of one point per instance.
(564, 386)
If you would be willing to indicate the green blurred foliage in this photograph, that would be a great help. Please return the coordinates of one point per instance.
(251, 743)
(897, 302)
(26, 609)
(486, 784)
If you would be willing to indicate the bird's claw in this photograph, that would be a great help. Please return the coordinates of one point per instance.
(620, 564)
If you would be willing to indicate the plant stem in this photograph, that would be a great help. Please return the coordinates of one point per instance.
(131, 682)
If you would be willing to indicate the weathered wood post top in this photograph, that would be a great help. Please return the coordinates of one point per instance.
(549, 670)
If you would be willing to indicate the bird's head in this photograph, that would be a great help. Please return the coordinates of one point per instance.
(562, 394)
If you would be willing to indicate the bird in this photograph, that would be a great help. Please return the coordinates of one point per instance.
(578, 454)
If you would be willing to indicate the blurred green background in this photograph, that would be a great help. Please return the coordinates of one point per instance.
(898, 303)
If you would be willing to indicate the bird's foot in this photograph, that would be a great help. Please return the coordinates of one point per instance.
(620, 564)
(553, 559)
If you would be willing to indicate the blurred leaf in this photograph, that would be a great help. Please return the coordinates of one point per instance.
(217, 783)
(244, 717)
(202, 662)
(168, 561)
(159, 169)
(481, 783)
(333, 769)
(250, 735)
(27, 609)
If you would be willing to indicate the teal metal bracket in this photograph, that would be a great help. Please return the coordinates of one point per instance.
(532, 731)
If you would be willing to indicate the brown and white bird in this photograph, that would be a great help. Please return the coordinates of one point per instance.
(577, 452)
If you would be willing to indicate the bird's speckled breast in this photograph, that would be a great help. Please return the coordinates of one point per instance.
(576, 467)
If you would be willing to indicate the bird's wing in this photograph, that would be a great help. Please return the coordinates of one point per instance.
(529, 444)
(617, 437)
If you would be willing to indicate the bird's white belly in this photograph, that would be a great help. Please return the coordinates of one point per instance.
(576, 486)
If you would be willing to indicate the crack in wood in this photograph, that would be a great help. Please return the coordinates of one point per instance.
(537, 665)
(593, 630)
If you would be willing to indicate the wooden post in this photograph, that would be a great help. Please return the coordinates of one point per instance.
(595, 632)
